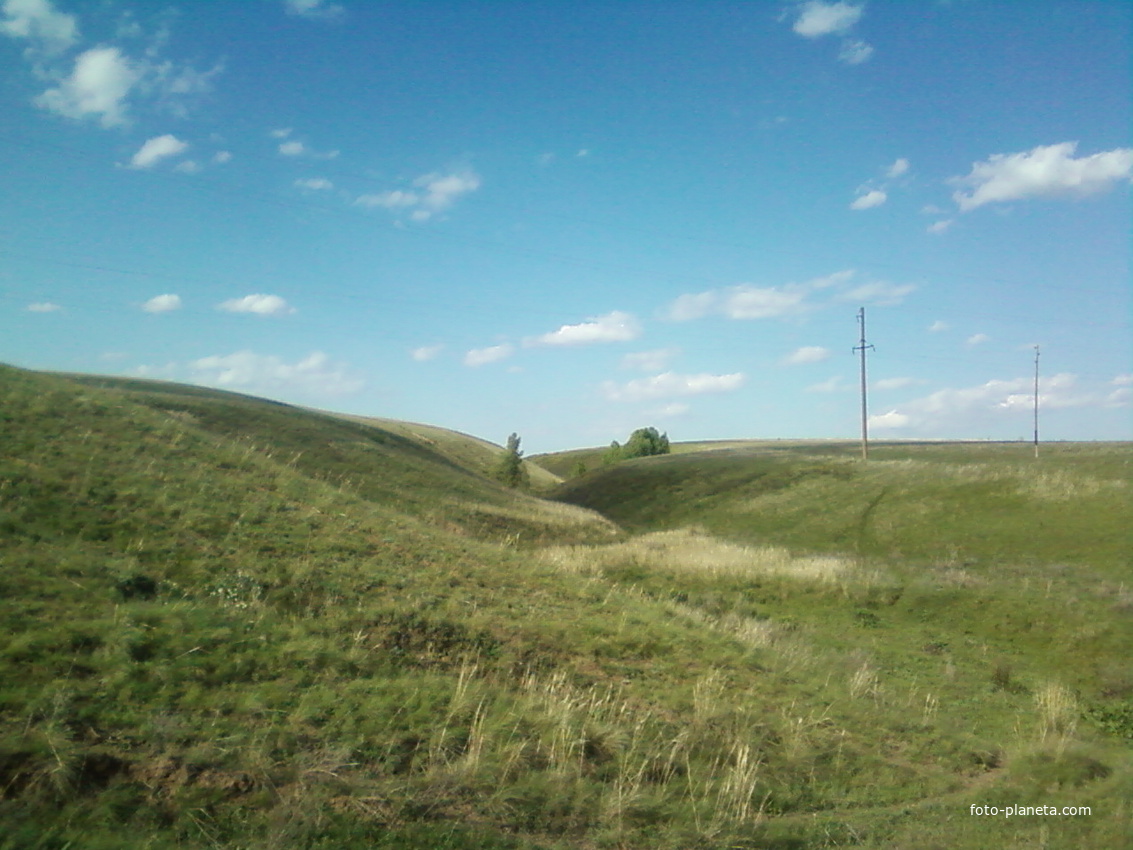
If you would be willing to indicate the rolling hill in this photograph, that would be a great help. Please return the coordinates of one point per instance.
(234, 623)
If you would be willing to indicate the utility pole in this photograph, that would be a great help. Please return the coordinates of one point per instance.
(862, 346)
(1036, 402)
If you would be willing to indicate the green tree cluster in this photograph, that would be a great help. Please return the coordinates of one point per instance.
(510, 469)
(643, 442)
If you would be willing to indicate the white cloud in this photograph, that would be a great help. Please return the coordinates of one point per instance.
(1123, 381)
(313, 9)
(939, 226)
(898, 168)
(892, 419)
(292, 148)
(221, 157)
(671, 384)
(98, 86)
(873, 198)
(983, 405)
(830, 385)
(976, 339)
(878, 293)
(806, 354)
(1043, 172)
(938, 326)
(189, 166)
(855, 51)
(157, 149)
(491, 354)
(442, 190)
(315, 184)
(434, 193)
(649, 361)
(39, 22)
(1121, 397)
(162, 304)
(43, 307)
(754, 302)
(390, 200)
(671, 410)
(426, 352)
(612, 327)
(260, 304)
(895, 383)
(245, 370)
(280, 133)
(817, 19)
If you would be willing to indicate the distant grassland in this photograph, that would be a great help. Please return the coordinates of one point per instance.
(238, 624)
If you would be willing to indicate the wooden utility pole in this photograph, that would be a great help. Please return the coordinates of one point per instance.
(862, 346)
(1036, 402)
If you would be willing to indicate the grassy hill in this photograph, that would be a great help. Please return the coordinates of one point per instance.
(232, 623)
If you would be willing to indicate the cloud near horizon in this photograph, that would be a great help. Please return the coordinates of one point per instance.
(314, 375)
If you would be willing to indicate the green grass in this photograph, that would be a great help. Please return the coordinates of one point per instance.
(232, 623)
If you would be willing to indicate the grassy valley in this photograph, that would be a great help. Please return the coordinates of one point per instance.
(234, 623)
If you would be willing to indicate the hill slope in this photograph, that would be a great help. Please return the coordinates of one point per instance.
(212, 639)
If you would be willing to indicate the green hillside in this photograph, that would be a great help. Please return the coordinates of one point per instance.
(237, 624)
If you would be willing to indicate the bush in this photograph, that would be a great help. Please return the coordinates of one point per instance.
(644, 442)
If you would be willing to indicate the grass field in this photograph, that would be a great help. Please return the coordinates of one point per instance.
(233, 623)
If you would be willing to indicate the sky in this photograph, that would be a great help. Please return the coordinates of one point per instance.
(570, 220)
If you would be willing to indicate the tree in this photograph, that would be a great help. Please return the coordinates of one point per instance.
(510, 469)
(643, 442)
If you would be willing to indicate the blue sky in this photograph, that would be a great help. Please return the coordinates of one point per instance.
(571, 220)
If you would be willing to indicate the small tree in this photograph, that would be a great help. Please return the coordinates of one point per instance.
(510, 469)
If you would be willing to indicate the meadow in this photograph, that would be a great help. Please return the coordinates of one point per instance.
(233, 623)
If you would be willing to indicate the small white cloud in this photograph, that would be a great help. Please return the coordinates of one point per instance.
(755, 302)
(313, 9)
(898, 168)
(157, 149)
(162, 304)
(281, 133)
(221, 157)
(649, 361)
(612, 327)
(671, 410)
(879, 293)
(806, 354)
(892, 419)
(97, 87)
(1123, 381)
(390, 200)
(39, 22)
(292, 148)
(976, 339)
(1049, 171)
(43, 307)
(426, 353)
(315, 184)
(873, 198)
(1121, 397)
(855, 51)
(830, 385)
(260, 304)
(491, 354)
(440, 191)
(895, 383)
(939, 226)
(817, 19)
(671, 384)
(189, 166)
(245, 370)
(938, 326)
